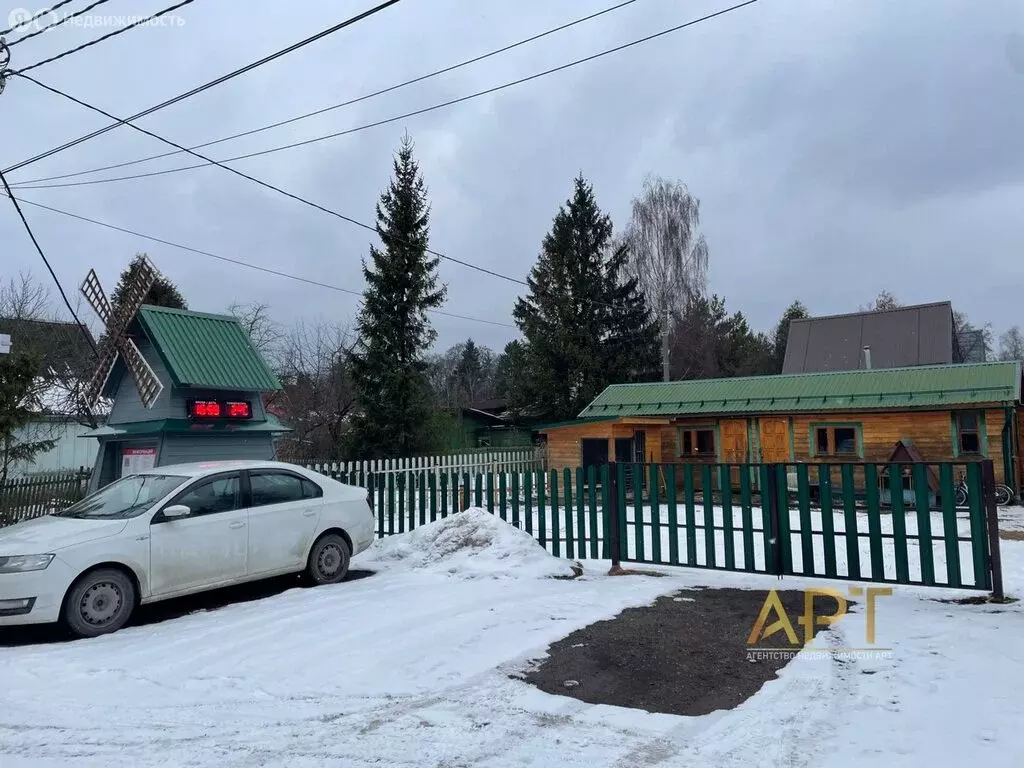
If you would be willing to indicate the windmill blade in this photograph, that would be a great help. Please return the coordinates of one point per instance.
(132, 298)
(108, 356)
(93, 292)
(146, 381)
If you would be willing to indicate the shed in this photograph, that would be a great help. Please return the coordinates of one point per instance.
(211, 406)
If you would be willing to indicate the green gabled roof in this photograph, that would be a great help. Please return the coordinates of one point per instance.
(206, 351)
(917, 387)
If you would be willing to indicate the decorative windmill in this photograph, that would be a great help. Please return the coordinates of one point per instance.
(117, 343)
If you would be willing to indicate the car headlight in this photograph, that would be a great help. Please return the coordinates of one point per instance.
(22, 563)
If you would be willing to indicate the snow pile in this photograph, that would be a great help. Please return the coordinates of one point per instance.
(471, 544)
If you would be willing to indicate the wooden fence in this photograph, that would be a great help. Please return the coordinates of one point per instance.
(32, 496)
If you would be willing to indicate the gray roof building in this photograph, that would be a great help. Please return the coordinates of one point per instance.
(897, 338)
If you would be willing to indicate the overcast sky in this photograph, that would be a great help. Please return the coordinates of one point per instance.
(838, 147)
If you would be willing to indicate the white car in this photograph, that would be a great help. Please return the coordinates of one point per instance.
(175, 530)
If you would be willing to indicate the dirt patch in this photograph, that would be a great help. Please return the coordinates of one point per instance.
(684, 655)
(1011, 535)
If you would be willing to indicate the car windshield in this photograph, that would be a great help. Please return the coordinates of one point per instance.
(128, 497)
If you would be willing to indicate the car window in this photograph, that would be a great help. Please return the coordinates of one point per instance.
(218, 494)
(276, 488)
(311, 490)
(128, 497)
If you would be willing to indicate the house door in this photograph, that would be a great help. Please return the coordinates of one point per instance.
(774, 439)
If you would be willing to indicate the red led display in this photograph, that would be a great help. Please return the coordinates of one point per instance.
(218, 409)
(240, 410)
(205, 409)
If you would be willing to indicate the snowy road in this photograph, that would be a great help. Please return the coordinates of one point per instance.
(410, 667)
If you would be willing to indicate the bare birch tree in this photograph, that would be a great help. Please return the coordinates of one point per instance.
(667, 253)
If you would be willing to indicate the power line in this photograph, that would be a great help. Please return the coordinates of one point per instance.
(230, 260)
(98, 40)
(255, 180)
(40, 14)
(39, 250)
(349, 219)
(348, 131)
(350, 102)
(61, 20)
(212, 83)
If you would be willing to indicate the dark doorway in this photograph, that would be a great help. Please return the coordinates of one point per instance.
(623, 450)
(593, 452)
(640, 446)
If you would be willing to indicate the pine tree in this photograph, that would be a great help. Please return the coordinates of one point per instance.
(388, 365)
(586, 326)
(795, 311)
(19, 407)
(469, 372)
(163, 293)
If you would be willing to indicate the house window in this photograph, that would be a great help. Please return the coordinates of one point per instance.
(697, 442)
(836, 440)
(968, 432)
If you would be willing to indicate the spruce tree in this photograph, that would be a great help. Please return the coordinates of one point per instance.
(19, 408)
(163, 292)
(469, 372)
(388, 365)
(586, 325)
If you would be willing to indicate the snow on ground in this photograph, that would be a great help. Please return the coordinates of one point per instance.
(472, 544)
(410, 667)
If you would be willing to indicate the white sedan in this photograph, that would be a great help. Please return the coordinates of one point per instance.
(176, 530)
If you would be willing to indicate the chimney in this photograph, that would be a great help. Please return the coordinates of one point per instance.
(867, 358)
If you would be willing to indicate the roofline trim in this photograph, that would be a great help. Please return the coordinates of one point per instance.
(909, 307)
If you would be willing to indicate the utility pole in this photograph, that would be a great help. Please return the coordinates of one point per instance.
(664, 344)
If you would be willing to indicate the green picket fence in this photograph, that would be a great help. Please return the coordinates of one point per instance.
(889, 523)
(25, 498)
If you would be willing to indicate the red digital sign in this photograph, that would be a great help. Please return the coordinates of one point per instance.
(217, 409)
(204, 409)
(240, 410)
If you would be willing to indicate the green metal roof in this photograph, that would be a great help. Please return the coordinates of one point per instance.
(917, 387)
(206, 351)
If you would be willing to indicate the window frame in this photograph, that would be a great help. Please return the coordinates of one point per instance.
(979, 432)
(243, 496)
(831, 427)
(693, 430)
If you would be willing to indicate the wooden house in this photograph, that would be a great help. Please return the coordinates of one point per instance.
(946, 412)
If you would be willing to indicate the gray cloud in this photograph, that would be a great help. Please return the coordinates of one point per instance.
(838, 147)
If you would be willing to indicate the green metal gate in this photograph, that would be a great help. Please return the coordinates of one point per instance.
(889, 523)
(892, 523)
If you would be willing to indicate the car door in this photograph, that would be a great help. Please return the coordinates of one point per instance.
(284, 511)
(207, 547)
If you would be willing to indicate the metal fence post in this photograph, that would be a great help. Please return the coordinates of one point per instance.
(612, 516)
(988, 494)
(772, 490)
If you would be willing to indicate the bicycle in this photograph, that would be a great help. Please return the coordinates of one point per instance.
(1004, 494)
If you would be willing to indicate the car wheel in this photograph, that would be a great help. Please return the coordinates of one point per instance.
(99, 602)
(329, 559)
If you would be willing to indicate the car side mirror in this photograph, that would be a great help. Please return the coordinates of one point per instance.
(176, 510)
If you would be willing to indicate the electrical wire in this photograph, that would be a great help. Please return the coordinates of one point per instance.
(212, 83)
(61, 20)
(238, 262)
(98, 40)
(46, 261)
(350, 102)
(342, 216)
(38, 15)
(262, 183)
(375, 124)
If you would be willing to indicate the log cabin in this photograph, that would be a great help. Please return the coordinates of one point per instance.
(946, 412)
